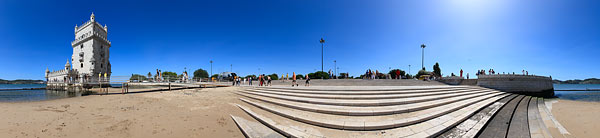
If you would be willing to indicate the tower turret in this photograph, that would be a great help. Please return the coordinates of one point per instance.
(47, 72)
(92, 17)
(67, 66)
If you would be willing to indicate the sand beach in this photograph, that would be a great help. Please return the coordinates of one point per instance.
(177, 113)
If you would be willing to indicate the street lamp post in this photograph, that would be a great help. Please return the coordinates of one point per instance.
(423, 56)
(211, 73)
(335, 68)
(408, 69)
(322, 41)
(231, 68)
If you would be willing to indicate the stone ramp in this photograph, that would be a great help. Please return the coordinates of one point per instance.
(470, 127)
(415, 111)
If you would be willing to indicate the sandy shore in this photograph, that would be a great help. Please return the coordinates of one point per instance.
(581, 119)
(178, 113)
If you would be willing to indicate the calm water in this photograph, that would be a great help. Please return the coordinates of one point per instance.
(30, 95)
(578, 95)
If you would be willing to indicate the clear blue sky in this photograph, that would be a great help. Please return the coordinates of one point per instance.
(557, 37)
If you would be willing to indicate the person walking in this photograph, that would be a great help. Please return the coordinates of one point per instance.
(250, 81)
(307, 83)
(461, 72)
(260, 78)
(467, 76)
(294, 79)
(269, 81)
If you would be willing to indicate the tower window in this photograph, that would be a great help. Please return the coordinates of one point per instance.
(81, 46)
(82, 65)
(101, 65)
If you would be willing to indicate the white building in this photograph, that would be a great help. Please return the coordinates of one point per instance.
(90, 55)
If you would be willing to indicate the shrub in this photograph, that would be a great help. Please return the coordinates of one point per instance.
(137, 77)
(318, 75)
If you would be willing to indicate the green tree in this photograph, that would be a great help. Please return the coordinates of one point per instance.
(216, 76)
(422, 72)
(394, 73)
(171, 76)
(437, 70)
(274, 76)
(149, 75)
(200, 73)
(299, 76)
(318, 75)
(137, 77)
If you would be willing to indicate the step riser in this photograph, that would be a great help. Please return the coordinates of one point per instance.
(373, 92)
(403, 89)
(374, 113)
(404, 122)
(360, 104)
(352, 97)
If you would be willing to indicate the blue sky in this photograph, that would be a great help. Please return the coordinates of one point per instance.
(560, 38)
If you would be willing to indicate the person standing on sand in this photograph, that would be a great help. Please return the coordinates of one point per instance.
(461, 72)
(307, 83)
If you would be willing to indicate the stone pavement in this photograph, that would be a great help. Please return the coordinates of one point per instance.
(389, 111)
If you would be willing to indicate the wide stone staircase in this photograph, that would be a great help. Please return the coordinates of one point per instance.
(388, 111)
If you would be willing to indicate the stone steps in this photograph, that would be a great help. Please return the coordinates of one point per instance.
(252, 129)
(370, 122)
(426, 129)
(363, 111)
(360, 96)
(366, 91)
(383, 111)
(361, 102)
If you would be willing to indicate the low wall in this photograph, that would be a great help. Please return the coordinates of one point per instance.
(458, 81)
(521, 84)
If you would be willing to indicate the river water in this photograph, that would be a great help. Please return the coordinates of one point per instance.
(30, 95)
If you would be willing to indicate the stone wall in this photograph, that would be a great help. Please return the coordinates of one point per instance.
(522, 84)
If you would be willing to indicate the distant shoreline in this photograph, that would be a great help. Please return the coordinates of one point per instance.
(21, 81)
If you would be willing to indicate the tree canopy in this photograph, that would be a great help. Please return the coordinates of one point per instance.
(274, 76)
(394, 72)
(437, 70)
(318, 75)
(200, 73)
(167, 75)
(137, 77)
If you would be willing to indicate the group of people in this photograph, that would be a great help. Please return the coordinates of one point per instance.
(158, 77)
(371, 74)
(262, 79)
(265, 80)
(492, 72)
(482, 72)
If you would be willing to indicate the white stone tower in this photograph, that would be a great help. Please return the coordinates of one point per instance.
(90, 51)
